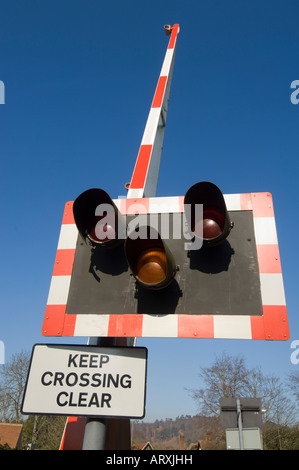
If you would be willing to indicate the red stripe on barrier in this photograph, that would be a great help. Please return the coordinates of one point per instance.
(276, 322)
(140, 171)
(191, 326)
(69, 325)
(134, 206)
(159, 93)
(68, 216)
(262, 205)
(64, 261)
(57, 323)
(54, 320)
(245, 201)
(174, 33)
(125, 325)
(257, 327)
(268, 258)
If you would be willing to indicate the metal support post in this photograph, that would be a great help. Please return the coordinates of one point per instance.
(96, 427)
(240, 428)
(95, 434)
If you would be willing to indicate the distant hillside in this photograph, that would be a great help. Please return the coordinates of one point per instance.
(182, 432)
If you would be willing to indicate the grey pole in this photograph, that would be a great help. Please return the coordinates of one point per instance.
(95, 434)
(240, 429)
(95, 427)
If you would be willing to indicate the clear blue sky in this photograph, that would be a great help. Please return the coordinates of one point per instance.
(79, 80)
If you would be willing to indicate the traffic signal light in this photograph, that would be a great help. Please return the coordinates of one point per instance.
(103, 278)
(214, 226)
(101, 225)
(97, 219)
(150, 260)
(120, 269)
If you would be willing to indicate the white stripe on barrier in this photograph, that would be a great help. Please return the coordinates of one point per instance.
(91, 325)
(232, 326)
(164, 325)
(272, 289)
(68, 237)
(59, 290)
(265, 231)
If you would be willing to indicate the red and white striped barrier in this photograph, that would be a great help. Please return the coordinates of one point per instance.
(146, 171)
(272, 325)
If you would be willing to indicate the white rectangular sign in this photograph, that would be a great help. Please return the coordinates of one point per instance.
(252, 439)
(77, 380)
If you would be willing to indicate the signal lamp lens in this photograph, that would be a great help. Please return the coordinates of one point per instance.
(102, 229)
(151, 266)
(213, 223)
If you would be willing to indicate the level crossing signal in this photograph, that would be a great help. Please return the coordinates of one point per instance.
(202, 265)
(161, 267)
(162, 263)
(149, 258)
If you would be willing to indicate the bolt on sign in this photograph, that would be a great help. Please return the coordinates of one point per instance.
(86, 381)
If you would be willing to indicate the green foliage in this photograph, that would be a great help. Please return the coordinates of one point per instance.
(43, 432)
(5, 447)
(280, 437)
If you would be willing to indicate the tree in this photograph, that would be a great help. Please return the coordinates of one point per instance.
(43, 432)
(277, 407)
(294, 384)
(281, 437)
(12, 385)
(229, 377)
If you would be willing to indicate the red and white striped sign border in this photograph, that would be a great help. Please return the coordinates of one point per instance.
(272, 325)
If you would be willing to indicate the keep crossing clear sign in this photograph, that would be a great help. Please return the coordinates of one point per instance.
(76, 380)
